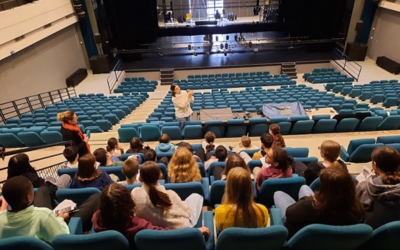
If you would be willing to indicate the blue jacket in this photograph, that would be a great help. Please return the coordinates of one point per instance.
(165, 148)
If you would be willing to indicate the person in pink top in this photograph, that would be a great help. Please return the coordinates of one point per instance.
(277, 165)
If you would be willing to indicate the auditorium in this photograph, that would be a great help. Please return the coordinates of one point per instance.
(199, 124)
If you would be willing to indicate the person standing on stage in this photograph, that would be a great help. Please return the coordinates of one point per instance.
(182, 101)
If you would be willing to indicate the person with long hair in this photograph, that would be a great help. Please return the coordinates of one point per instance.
(182, 100)
(88, 175)
(335, 204)
(164, 208)
(189, 147)
(278, 166)
(104, 158)
(137, 146)
(380, 194)
(114, 148)
(207, 146)
(238, 208)
(183, 167)
(275, 131)
(70, 131)
(330, 152)
(234, 161)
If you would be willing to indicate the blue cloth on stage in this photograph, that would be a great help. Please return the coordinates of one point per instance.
(286, 109)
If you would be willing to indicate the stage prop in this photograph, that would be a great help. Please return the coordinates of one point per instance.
(286, 109)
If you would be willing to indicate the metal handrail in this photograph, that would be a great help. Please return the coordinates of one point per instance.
(113, 73)
(349, 66)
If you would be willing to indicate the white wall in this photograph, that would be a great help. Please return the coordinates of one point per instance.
(41, 67)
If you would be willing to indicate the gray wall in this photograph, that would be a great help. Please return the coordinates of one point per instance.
(41, 67)
(386, 36)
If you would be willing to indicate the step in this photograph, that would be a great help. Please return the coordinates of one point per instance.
(167, 70)
(288, 63)
(167, 75)
(289, 71)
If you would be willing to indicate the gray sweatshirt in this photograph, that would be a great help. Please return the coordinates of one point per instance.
(381, 201)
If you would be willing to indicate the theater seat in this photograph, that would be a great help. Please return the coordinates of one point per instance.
(31, 139)
(126, 134)
(302, 127)
(192, 132)
(24, 242)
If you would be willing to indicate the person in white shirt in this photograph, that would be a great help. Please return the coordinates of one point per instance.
(71, 154)
(182, 101)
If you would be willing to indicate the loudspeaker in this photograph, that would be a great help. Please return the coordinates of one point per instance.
(359, 25)
(77, 77)
(356, 51)
(388, 64)
(100, 64)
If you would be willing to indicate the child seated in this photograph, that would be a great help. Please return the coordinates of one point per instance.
(151, 155)
(165, 145)
(104, 158)
(220, 156)
(71, 153)
(22, 219)
(245, 143)
(130, 169)
(114, 149)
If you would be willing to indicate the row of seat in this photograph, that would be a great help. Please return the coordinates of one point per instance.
(219, 75)
(235, 84)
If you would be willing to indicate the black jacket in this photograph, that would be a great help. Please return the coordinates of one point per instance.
(69, 135)
(314, 168)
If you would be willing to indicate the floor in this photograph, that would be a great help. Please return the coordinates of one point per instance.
(98, 84)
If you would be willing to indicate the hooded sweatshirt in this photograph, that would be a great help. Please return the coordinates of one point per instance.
(381, 201)
(165, 148)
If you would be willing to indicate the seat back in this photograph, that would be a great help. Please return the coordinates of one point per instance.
(354, 144)
(291, 186)
(217, 190)
(302, 127)
(214, 165)
(388, 139)
(150, 133)
(216, 127)
(234, 130)
(316, 185)
(126, 134)
(186, 189)
(258, 126)
(385, 237)
(297, 152)
(192, 132)
(363, 153)
(330, 237)
(174, 132)
(24, 242)
(325, 126)
(77, 195)
(10, 140)
(347, 125)
(252, 238)
(370, 123)
(31, 139)
(51, 136)
(390, 123)
(106, 240)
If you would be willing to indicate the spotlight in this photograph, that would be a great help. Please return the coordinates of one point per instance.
(250, 44)
(226, 45)
(227, 38)
(221, 46)
(255, 50)
(194, 53)
(225, 53)
(189, 47)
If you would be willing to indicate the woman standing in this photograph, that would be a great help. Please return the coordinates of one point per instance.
(182, 101)
(71, 132)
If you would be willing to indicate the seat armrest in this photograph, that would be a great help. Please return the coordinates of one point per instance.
(343, 154)
(212, 179)
(209, 223)
(206, 189)
(275, 216)
(75, 225)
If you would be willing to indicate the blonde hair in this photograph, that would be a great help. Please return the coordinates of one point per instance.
(183, 167)
(246, 141)
(66, 116)
(331, 151)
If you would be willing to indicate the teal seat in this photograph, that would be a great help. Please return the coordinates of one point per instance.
(77, 195)
(302, 127)
(390, 123)
(31, 139)
(192, 132)
(388, 139)
(103, 124)
(234, 130)
(174, 132)
(24, 243)
(184, 190)
(150, 133)
(126, 134)
(370, 123)
(385, 237)
(216, 126)
(291, 186)
(360, 155)
(347, 125)
(51, 136)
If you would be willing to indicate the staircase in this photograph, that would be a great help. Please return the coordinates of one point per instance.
(289, 69)
(166, 76)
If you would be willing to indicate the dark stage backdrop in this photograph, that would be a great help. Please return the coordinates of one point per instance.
(133, 22)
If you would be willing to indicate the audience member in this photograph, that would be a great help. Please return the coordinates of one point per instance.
(165, 145)
(88, 175)
(206, 146)
(275, 131)
(71, 132)
(104, 158)
(71, 153)
(266, 143)
(189, 147)
(151, 155)
(380, 194)
(137, 146)
(336, 203)
(233, 161)
(238, 208)
(114, 149)
(183, 167)
(130, 169)
(22, 219)
(244, 144)
(278, 163)
(161, 207)
(220, 156)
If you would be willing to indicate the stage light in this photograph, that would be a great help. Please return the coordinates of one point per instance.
(226, 45)
(255, 50)
(189, 47)
(194, 53)
(250, 44)
(227, 38)
(221, 46)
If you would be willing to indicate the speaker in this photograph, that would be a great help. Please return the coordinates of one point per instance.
(77, 77)
(388, 64)
(359, 25)
(100, 64)
(356, 51)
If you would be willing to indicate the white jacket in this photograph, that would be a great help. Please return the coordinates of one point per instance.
(182, 104)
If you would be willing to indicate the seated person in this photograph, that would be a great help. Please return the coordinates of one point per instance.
(206, 146)
(277, 165)
(189, 147)
(88, 175)
(114, 149)
(130, 169)
(23, 219)
(244, 144)
(118, 214)
(220, 156)
(275, 131)
(161, 207)
(380, 194)
(233, 161)
(104, 158)
(330, 152)
(71, 153)
(151, 155)
(266, 143)
(165, 145)
(238, 208)
(137, 146)
(336, 204)
(183, 168)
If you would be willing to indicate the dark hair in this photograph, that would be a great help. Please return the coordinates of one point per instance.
(150, 155)
(116, 207)
(234, 160)
(70, 153)
(387, 159)
(209, 138)
(164, 138)
(267, 140)
(136, 146)
(18, 165)
(86, 169)
(338, 194)
(101, 156)
(150, 173)
(282, 158)
(15, 190)
(278, 138)
(221, 153)
(172, 88)
(111, 144)
(186, 145)
(130, 167)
